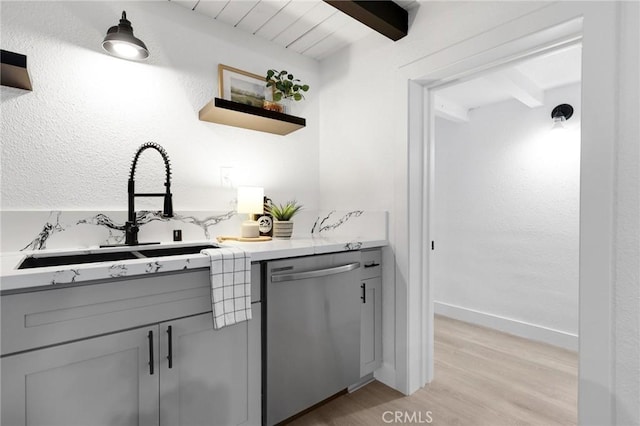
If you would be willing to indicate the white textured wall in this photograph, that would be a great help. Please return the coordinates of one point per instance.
(507, 213)
(359, 121)
(68, 144)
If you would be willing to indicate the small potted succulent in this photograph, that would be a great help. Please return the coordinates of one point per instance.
(286, 88)
(282, 214)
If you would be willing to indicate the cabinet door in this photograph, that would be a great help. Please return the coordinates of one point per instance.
(207, 382)
(371, 326)
(100, 381)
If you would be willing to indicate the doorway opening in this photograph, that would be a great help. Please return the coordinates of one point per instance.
(504, 226)
(595, 25)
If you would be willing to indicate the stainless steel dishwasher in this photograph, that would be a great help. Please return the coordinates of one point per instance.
(312, 331)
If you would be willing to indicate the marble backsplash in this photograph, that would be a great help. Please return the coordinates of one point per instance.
(37, 230)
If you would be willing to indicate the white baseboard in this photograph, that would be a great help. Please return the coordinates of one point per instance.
(510, 326)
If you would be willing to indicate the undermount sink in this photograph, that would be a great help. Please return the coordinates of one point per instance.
(72, 259)
(127, 253)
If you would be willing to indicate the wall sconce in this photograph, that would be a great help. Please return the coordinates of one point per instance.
(120, 41)
(560, 115)
(250, 201)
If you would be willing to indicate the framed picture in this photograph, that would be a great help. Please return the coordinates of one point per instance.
(242, 87)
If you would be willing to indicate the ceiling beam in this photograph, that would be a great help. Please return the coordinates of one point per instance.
(384, 16)
(450, 110)
(520, 87)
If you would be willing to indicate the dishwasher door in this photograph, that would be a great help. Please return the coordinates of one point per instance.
(313, 331)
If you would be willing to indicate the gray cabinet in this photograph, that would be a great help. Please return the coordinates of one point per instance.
(214, 376)
(371, 312)
(116, 377)
(100, 381)
(126, 379)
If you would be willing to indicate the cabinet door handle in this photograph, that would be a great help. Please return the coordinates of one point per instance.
(170, 354)
(371, 265)
(364, 293)
(150, 337)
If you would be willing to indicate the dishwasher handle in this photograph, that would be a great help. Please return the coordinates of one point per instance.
(315, 273)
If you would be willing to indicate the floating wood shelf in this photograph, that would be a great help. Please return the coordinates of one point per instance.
(14, 70)
(222, 111)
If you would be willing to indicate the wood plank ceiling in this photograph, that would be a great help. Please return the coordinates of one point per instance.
(310, 27)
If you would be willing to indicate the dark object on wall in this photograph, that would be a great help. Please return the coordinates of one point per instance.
(121, 42)
(384, 16)
(560, 115)
(14, 70)
(564, 110)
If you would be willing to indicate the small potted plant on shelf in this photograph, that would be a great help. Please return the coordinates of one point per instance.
(282, 214)
(286, 88)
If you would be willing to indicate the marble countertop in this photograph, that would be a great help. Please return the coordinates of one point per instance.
(13, 280)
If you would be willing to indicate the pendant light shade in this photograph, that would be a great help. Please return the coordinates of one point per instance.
(120, 41)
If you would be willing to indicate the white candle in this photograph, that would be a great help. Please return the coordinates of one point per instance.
(250, 229)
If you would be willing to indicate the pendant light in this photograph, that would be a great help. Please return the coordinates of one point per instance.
(560, 115)
(120, 41)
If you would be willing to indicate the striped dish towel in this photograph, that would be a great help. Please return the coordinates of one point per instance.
(230, 285)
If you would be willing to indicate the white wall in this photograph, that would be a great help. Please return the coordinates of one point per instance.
(365, 112)
(507, 215)
(68, 144)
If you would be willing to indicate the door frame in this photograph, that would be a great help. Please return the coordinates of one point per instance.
(594, 23)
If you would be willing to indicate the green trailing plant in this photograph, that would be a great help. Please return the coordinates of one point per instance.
(284, 212)
(285, 85)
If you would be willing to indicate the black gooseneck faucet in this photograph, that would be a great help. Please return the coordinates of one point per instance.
(131, 226)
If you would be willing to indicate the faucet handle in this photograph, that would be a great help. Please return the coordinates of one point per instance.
(168, 205)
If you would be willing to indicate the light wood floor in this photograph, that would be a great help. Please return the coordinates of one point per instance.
(482, 377)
